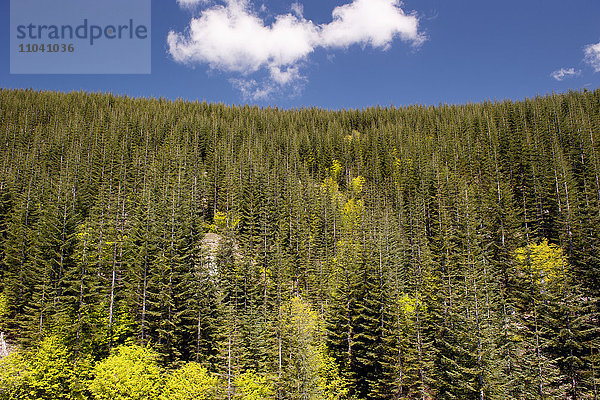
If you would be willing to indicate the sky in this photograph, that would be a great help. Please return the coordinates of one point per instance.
(342, 54)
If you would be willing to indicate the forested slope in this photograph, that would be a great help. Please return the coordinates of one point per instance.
(423, 252)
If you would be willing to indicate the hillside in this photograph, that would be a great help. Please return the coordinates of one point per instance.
(422, 252)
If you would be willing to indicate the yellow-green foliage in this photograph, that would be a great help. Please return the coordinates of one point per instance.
(13, 377)
(304, 335)
(251, 386)
(352, 137)
(357, 185)
(330, 184)
(546, 261)
(303, 320)
(332, 189)
(222, 221)
(352, 215)
(52, 374)
(3, 309)
(301, 334)
(47, 372)
(191, 382)
(408, 304)
(131, 373)
(331, 385)
(336, 169)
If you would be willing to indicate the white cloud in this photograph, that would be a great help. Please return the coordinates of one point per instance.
(191, 3)
(374, 22)
(291, 74)
(563, 73)
(592, 56)
(230, 37)
(233, 39)
(297, 10)
(251, 89)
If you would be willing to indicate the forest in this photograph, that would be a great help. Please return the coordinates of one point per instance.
(156, 249)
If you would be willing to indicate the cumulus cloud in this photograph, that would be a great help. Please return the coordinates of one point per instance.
(374, 22)
(564, 73)
(230, 37)
(592, 56)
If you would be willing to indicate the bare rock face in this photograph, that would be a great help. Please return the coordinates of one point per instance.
(5, 348)
(211, 240)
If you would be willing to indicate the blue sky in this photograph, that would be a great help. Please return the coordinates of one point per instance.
(374, 52)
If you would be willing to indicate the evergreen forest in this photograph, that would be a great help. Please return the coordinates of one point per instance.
(154, 249)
